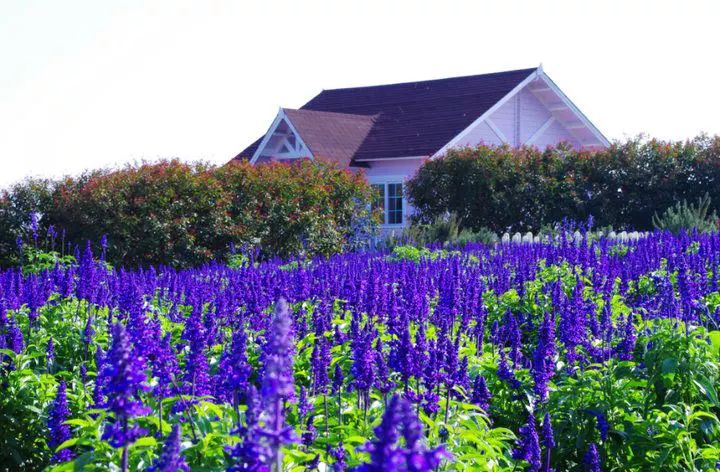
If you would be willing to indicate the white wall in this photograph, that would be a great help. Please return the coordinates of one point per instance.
(394, 171)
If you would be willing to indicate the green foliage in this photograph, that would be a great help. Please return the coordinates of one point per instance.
(503, 188)
(447, 229)
(178, 214)
(688, 217)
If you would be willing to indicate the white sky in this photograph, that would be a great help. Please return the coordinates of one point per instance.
(85, 84)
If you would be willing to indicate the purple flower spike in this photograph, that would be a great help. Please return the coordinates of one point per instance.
(123, 380)
(59, 431)
(171, 458)
(592, 459)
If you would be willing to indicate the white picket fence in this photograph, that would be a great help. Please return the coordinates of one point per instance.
(623, 236)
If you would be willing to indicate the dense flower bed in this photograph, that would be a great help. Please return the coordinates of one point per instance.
(573, 356)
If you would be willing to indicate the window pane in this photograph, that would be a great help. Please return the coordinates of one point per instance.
(379, 200)
(395, 204)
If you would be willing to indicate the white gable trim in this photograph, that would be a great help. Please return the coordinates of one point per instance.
(501, 136)
(276, 122)
(549, 86)
(454, 142)
(588, 124)
(540, 130)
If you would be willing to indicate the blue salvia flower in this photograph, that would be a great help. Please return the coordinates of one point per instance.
(171, 458)
(123, 379)
(548, 440)
(385, 453)
(50, 354)
(338, 453)
(338, 379)
(528, 445)
(250, 454)
(278, 384)
(592, 459)
(59, 431)
(480, 393)
(602, 424)
(234, 372)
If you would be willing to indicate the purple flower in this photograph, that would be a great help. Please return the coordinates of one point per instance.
(592, 459)
(171, 458)
(304, 406)
(480, 394)
(338, 379)
(385, 454)
(278, 379)
(234, 371)
(123, 379)
(528, 445)
(548, 436)
(50, 353)
(251, 454)
(338, 453)
(602, 424)
(278, 383)
(59, 431)
(319, 363)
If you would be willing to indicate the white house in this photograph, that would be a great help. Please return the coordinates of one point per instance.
(390, 130)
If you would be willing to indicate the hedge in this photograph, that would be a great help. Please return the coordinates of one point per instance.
(179, 214)
(504, 188)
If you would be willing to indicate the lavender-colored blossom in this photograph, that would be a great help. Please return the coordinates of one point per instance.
(591, 460)
(602, 424)
(171, 458)
(399, 420)
(528, 445)
(278, 384)
(59, 431)
(338, 453)
(50, 353)
(338, 379)
(124, 379)
(480, 393)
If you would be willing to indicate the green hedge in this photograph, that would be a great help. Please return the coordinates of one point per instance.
(523, 189)
(186, 214)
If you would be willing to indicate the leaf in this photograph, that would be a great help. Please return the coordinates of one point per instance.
(69, 443)
(146, 441)
(715, 342)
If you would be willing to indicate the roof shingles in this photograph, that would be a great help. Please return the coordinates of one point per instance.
(398, 120)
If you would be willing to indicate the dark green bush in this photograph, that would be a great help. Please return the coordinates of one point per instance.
(522, 189)
(186, 214)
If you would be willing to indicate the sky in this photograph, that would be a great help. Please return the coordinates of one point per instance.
(89, 83)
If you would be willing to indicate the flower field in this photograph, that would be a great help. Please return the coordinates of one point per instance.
(591, 355)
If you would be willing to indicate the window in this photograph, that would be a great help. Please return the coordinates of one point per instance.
(395, 204)
(389, 198)
(379, 201)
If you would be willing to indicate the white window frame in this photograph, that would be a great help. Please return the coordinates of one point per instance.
(386, 181)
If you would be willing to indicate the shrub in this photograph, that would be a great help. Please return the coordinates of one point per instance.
(178, 214)
(306, 207)
(17, 205)
(166, 213)
(446, 229)
(523, 189)
(684, 216)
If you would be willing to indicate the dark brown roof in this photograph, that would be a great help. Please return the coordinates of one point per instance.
(334, 136)
(408, 119)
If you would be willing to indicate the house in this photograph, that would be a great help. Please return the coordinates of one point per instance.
(390, 130)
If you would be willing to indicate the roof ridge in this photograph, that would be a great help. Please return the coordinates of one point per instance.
(514, 71)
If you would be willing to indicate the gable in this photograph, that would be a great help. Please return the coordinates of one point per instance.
(281, 142)
(536, 113)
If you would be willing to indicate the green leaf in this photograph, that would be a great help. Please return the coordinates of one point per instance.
(146, 441)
